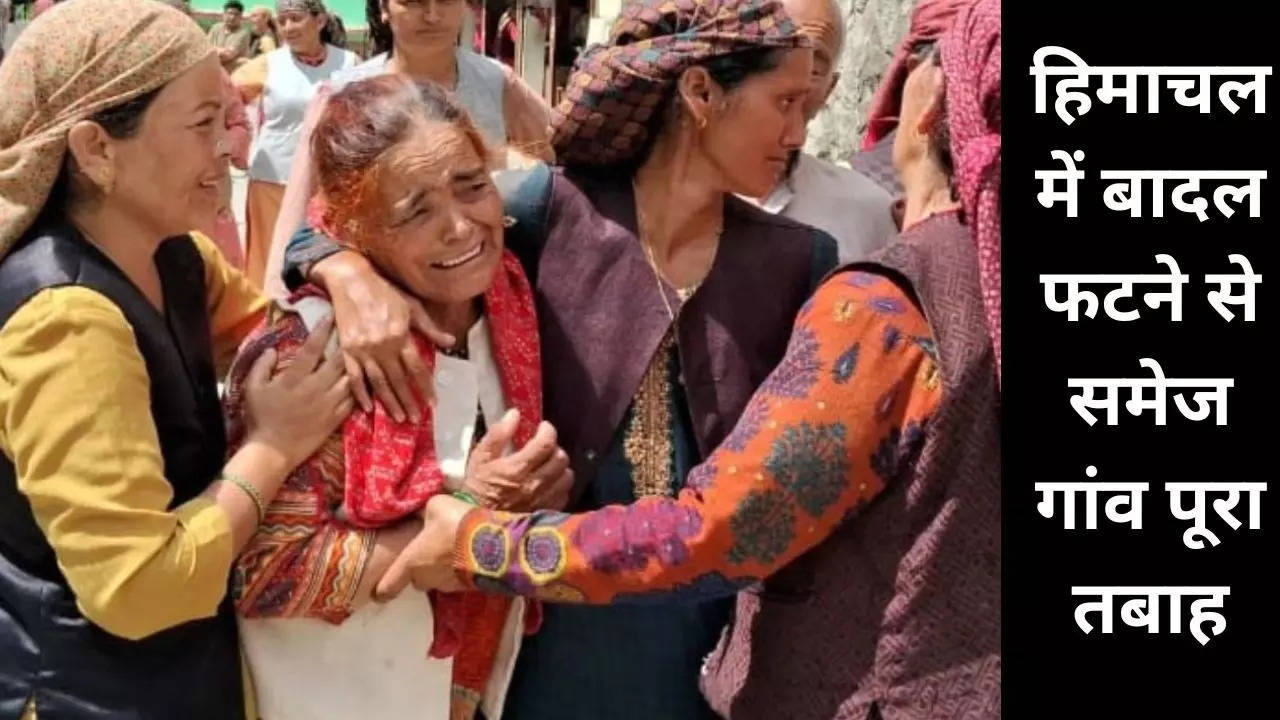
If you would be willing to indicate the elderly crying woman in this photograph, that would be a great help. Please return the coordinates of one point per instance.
(404, 180)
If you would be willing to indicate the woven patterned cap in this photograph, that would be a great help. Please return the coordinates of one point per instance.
(616, 88)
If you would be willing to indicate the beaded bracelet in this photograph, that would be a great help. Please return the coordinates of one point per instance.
(249, 490)
(465, 496)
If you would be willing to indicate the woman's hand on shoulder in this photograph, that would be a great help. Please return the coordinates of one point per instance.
(375, 319)
(297, 409)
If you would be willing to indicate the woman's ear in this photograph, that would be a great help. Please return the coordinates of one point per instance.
(932, 113)
(94, 154)
(699, 93)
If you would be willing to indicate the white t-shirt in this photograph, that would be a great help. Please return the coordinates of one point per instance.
(845, 204)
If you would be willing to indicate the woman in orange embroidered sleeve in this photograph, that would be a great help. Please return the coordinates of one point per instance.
(861, 486)
(794, 467)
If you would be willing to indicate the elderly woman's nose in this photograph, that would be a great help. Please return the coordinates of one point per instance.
(460, 227)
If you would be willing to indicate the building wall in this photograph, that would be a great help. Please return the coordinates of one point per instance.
(873, 29)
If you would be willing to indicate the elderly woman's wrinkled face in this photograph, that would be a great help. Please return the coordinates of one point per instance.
(168, 174)
(440, 216)
(762, 123)
(922, 102)
(424, 22)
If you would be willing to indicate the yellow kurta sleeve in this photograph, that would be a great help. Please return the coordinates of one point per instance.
(75, 420)
(251, 77)
(236, 306)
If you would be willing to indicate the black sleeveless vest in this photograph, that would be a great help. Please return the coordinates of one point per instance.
(48, 650)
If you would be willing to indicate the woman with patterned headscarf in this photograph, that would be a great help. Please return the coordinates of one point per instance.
(120, 512)
(663, 302)
(861, 486)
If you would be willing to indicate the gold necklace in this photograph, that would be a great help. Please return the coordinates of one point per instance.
(641, 224)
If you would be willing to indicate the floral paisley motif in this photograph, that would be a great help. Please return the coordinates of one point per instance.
(928, 376)
(928, 345)
(897, 450)
(843, 311)
(763, 526)
(891, 337)
(798, 371)
(884, 403)
(809, 462)
(891, 306)
(845, 365)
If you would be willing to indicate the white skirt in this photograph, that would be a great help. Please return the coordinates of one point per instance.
(373, 666)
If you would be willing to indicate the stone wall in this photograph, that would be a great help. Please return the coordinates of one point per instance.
(872, 31)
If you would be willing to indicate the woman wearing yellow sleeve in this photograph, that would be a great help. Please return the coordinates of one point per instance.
(120, 514)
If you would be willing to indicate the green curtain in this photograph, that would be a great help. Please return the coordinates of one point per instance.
(351, 11)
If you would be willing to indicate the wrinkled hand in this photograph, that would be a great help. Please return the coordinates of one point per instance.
(427, 561)
(534, 477)
(298, 409)
(374, 320)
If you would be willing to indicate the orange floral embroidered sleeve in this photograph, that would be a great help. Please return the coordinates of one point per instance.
(839, 418)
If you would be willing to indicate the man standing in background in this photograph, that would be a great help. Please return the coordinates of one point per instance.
(848, 206)
(233, 36)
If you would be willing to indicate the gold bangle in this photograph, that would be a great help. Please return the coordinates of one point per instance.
(249, 490)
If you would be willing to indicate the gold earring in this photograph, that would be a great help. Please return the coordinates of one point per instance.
(702, 123)
(508, 221)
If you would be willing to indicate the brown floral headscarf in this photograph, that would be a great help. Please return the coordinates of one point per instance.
(74, 61)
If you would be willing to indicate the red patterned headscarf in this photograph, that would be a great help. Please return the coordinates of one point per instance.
(617, 87)
(971, 64)
(929, 21)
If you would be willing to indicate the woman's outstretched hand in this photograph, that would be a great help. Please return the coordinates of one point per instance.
(427, 562)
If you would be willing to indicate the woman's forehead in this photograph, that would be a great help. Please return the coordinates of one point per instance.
(432, 152)
(199, 86)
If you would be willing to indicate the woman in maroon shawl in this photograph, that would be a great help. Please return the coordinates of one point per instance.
(866, 465)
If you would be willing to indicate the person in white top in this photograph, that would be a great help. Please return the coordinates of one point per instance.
(284, 80)
(851, 208)
(403, 175)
